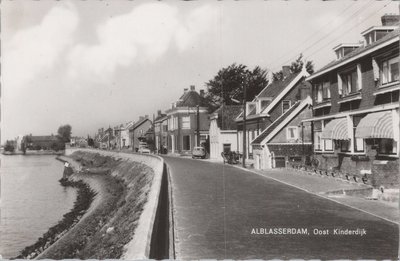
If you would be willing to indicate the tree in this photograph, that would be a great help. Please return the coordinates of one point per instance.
(64, 133)
(296, 67)
(227, 85)
(90, 142)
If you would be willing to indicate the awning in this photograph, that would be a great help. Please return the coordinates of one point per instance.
(377, 125)
(336, 130)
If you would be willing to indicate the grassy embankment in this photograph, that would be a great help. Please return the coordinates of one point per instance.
(109, 224)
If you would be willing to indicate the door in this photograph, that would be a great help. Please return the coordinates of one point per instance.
(280, 162)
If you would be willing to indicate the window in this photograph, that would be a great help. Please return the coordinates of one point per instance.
(172, 123)
(349, 82)
(318, 93)
(186, 142)
(317, 141)
(186, 122)
(285, 106)
(326, 91)
(317, 135)
(345, 145)
(176, 123)
(358, 142)
(227, 148)
(328, 146)
(390, 70)
(292, 133)
(387, 146)
(322, 92)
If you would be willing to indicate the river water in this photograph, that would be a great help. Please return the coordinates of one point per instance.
(32, 200)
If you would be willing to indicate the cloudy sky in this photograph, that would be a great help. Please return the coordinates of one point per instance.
(96, 64)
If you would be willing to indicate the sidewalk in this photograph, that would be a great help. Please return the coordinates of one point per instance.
(353, 195)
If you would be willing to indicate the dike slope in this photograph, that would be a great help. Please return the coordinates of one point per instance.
(119, 222)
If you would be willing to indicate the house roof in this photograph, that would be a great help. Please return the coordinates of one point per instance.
(227, 115)
(191, 99)
(273, 89)
(138, 124)
(354, 54)
(276, 90)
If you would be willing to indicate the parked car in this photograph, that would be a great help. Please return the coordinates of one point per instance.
(198, 152)
(144, 150)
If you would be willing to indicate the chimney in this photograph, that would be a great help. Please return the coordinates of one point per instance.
(185, 90)
(390, 19)
(159, 113)
(285, 71)
(192, 88)
(146, 116)
(202, 93)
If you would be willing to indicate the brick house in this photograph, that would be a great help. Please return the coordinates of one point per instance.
(356, 107)
(182, 122)
(139, 130)
(161, 132)
(286, 140)
(223, 133)
(273, 101)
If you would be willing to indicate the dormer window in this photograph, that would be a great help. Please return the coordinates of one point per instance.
(262, 103)
(343, 49)
(375, 33)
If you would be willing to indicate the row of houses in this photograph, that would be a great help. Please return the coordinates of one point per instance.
(125, 136)
(344, 117)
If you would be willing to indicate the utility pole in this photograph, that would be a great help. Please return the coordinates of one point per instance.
(154, 135)
(198, 125)
(244, 124)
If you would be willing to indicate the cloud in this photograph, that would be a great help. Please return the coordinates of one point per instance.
(142, 36)
(36, 49)
(195, 24)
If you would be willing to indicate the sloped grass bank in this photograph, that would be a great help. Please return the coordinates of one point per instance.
(109, 224)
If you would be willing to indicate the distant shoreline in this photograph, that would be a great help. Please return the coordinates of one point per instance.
(34, 152)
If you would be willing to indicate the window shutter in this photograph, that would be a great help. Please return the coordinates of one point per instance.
(359, 77)
(339, 81)
(375, 68)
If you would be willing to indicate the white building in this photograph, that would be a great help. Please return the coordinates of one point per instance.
(223, 133)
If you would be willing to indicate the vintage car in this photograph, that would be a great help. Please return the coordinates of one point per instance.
(198, 152)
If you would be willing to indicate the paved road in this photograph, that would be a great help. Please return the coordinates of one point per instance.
(212, 224)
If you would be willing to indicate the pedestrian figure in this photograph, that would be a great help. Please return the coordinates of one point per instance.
(67, 170)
